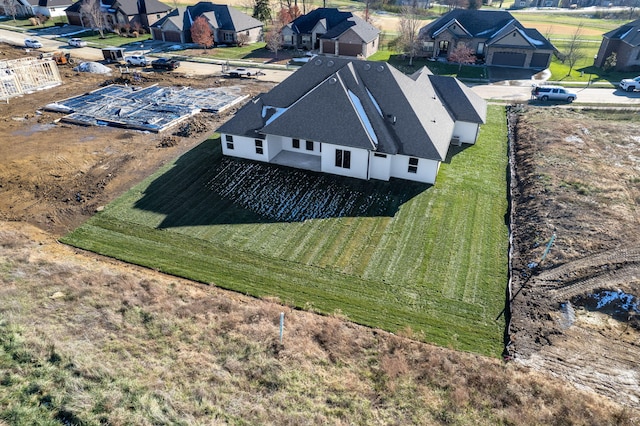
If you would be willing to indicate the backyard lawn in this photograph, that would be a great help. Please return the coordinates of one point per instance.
(402, 256)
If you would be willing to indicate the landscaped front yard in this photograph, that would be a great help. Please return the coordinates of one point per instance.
(396, 255)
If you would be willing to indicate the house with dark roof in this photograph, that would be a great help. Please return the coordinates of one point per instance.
(625, 42)
(121, 12)
(229, 25)
(50, 8)
(495, 36)
(332, 32)
(357, 118)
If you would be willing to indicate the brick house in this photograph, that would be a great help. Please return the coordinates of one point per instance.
(625, 42)
(495, 36)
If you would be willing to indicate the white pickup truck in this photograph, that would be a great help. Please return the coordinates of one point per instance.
(630, 84)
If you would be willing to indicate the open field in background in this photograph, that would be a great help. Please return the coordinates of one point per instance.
(391, 255)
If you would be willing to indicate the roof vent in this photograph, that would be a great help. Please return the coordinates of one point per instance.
(380, 68)
(330, 63)
(318, 62)
(333, 80)
(367, 67)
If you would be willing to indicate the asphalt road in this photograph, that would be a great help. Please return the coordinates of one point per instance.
(512, 91)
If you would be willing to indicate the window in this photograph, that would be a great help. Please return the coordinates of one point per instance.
(306, 39)
(296, 143)
(428, 46)
(377, 154)
(309, 145)
(413, 165)
(480, 49)
(288, 39)
(443, 46)
(638, 57)
(229, 140)
(343, 159)
(259, 149)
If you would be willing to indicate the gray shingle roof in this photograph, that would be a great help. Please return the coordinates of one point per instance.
(362, 104)
(337, 23)
(629, 33)
(220, 16)
(484, 24)
(462, 102)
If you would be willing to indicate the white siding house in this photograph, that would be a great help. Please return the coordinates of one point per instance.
(358, 119)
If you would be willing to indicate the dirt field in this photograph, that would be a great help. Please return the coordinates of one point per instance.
(577, 314)
(56, 175)
(578, 176)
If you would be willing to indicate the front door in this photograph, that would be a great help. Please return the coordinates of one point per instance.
(443, 48)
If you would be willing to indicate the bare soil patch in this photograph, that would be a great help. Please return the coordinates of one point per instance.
(576, 314)
(56, 175)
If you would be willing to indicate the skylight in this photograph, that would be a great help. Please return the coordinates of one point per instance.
(363, 116)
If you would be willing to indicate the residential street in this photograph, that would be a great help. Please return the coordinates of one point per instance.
(510, 91)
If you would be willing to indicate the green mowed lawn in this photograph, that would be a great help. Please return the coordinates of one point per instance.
(395, 255)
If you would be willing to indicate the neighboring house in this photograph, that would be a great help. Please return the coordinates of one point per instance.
(22, 8)
(332, 32)
(495, 36)
(50, 8)
(227, 24)
(121, 12)
(521, 4)
(625, 42)
(357, 118)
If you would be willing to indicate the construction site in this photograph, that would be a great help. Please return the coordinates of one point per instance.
(26, 75)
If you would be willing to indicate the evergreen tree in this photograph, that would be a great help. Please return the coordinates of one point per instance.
(262, 10)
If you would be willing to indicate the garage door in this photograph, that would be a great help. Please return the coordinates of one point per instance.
(348, 49)
(328, 47)
(540, 60)
(156, 33)
(172, 36)
(509, 59)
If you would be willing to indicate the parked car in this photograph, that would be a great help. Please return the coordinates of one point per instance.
(553, 93)
(165, 64)
(138, 60)
(77, 42)
(33, 43)
(630, 84)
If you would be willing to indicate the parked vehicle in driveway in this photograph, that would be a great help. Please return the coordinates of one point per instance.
(630, 84)
(77, 42)
(138, 60)
(553, 93)
(33, 43)
(165, 64)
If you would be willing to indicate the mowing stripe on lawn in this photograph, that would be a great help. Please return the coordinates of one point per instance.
(404, 255)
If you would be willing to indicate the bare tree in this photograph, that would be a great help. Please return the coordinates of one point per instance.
(10, 8)
(462, 54)
(408, 28)
(574, 50)
(274, 39)
(201, 32)
(91, 9)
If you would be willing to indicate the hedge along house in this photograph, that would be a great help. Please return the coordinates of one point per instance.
(356, 118)
(332, 32)
(495, 36)
(227, 24)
